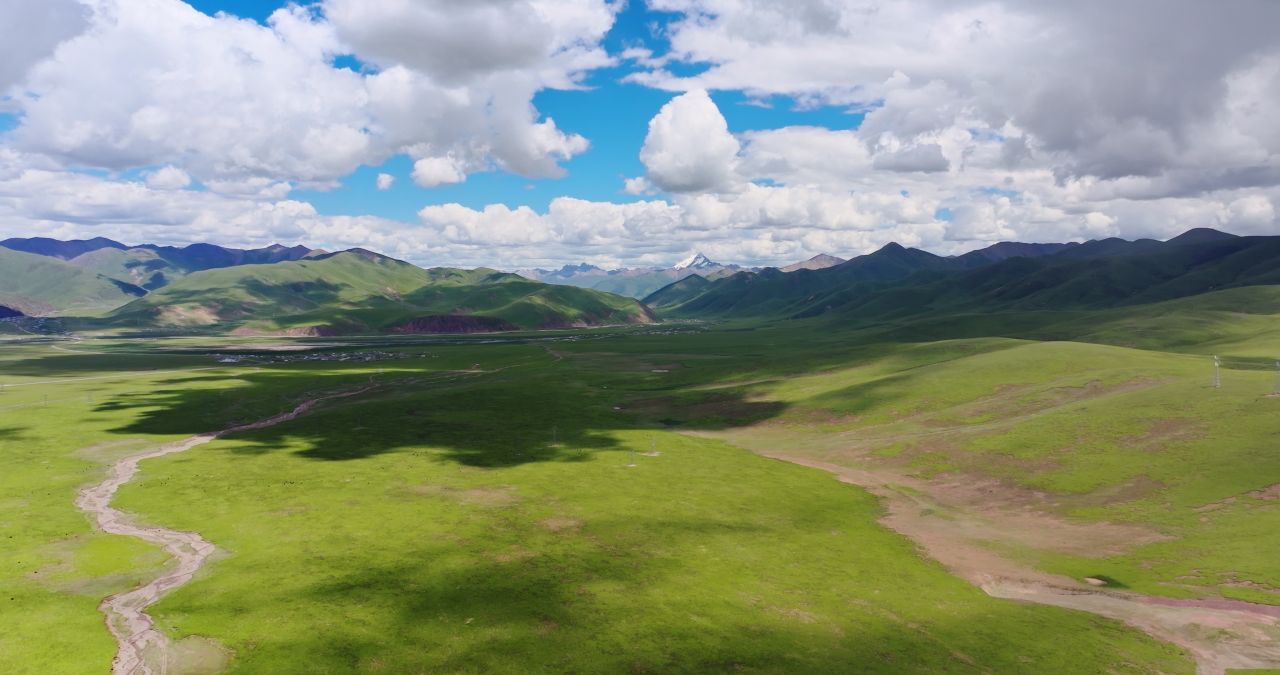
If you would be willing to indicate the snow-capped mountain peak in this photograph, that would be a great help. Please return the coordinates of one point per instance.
(694, 261)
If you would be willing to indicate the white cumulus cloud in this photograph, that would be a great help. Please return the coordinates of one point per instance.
(228, 99)
(432, 171)
(168, 178)
(689, 147)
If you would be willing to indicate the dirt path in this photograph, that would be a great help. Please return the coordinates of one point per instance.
(142, 649)
(1220, 634)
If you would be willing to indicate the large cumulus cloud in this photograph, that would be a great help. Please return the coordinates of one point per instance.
(155, 82)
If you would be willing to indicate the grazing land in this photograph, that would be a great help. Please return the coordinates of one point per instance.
(616, 517)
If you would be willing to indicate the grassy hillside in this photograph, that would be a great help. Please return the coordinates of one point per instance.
(679, 292)
(895, 283)
(137, 266)
(1082, 433)
(359, 291)
(43, 285)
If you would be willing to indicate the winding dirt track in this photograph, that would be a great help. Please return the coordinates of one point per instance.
(135, 633)
(1221, 635)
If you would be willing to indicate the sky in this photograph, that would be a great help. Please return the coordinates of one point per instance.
(535, 133)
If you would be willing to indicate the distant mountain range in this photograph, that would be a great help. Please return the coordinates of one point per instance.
(279, 289)
(638, 282)
(635, 282)
(817, 262)
(641, 282)
(150, 266)
(297, 290)
(896, 282)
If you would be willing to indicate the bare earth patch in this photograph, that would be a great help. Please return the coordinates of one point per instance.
(489, 496)
(561, 524)
(1269, 494)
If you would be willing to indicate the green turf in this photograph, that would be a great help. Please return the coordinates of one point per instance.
(490, 521)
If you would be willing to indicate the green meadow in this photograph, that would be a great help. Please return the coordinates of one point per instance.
(507, 506)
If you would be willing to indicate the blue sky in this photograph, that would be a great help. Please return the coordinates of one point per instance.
(613, 115)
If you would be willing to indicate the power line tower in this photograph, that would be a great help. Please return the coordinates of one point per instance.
(1217, 374)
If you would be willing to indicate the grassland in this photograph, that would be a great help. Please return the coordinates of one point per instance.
(1092, 433)
(536, 506)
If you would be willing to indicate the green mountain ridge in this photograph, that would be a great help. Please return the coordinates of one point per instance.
(41, 285)
(360, 291)
(895, 281)
(149, 266)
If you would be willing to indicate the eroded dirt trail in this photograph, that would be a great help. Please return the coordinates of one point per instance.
(142, 649)
(1221, 635)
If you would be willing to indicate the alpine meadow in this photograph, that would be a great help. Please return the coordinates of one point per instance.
(639, 336)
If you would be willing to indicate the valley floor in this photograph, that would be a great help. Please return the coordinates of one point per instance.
(606, 501)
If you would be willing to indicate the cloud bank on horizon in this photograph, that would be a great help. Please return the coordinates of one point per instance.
(955, 124)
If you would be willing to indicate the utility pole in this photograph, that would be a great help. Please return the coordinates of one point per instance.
(1217, 375)
(1277, 388)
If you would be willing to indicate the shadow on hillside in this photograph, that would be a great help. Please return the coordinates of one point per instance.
(284, 297)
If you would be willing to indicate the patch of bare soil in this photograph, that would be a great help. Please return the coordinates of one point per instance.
(561, 524)
(955, 522)
(1269, 494)
(1165, 431)
(187, 315)
(142, 649)
(514, 555)
(490, 496)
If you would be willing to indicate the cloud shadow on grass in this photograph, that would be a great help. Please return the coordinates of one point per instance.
(484, 419)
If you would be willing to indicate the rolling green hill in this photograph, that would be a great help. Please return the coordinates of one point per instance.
(138, 266)
(359, 291)
(41, 285)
